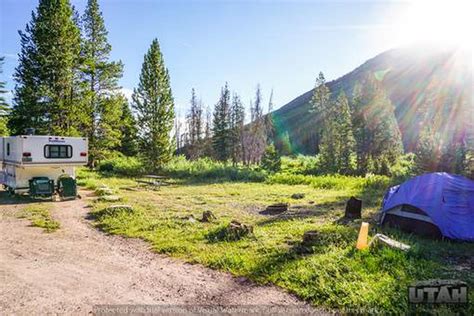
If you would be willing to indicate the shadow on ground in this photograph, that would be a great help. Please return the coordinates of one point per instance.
(8, 199)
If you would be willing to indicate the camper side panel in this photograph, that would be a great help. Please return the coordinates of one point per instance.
(12, 150)
(48, 150)
(18, 177)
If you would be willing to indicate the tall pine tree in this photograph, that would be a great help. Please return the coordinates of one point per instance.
(325, 126)
(237, 118)
(4, 108)
(194, 121)
(222, 137)
(207, 149)
(361, 132)
(319, 106)
(376, 129)
(3, 102)
(269, 124)
(128, 129)
(255, 138)
(46, 94)
(344, 136)
(100, 82)
(336, 150)
(154, 105)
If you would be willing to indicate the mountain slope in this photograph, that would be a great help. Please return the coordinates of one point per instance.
(439, 80)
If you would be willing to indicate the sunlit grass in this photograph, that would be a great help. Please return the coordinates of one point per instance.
(40, 216)
(334, 275)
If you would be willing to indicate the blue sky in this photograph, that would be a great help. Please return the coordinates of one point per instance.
(280, 44)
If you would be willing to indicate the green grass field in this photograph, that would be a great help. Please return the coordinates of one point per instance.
(335, 275)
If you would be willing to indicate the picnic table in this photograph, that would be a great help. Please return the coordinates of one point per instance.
(152, 181)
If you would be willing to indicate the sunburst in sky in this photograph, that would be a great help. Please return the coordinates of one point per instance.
(439, 22)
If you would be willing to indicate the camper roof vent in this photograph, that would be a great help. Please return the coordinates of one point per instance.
(29, 131)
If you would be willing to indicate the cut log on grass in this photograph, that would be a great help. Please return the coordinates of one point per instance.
(275, 209)
(208, 216)
(353, 208)
(380, 239)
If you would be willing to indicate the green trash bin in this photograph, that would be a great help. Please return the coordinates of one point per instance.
(41, 187)
(67, 187)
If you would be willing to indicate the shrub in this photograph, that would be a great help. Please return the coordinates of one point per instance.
(336, 182)
(271, 161)
(305, 165)
(122, 165)
(404, 168)
(205, 169)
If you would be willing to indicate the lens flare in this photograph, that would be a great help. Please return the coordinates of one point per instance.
(437, 21)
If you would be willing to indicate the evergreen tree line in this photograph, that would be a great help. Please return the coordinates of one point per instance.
(67, 85)
(362, 135)
(357, 136)
(442, 147)
(226, 135)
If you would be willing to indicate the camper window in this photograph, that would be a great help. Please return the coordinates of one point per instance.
(8, 149)
(57, 151)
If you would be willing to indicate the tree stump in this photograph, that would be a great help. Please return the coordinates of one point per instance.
(236, 230)
(298, 196)
(208, 216)
(310, 238)
(353, 208)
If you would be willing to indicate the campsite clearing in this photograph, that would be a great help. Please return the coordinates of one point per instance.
(334, 275)
(75, 267)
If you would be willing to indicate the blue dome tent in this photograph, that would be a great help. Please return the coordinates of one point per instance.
(433, 204)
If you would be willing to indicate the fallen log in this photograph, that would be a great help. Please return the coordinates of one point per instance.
(389, 242)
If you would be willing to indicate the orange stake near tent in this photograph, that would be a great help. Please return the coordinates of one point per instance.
(363, 236)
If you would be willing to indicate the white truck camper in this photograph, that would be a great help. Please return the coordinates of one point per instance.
(41, 165)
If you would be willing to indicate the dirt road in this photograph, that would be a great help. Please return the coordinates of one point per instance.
(76, 267)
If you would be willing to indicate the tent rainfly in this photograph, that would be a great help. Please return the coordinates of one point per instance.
(435, 205)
